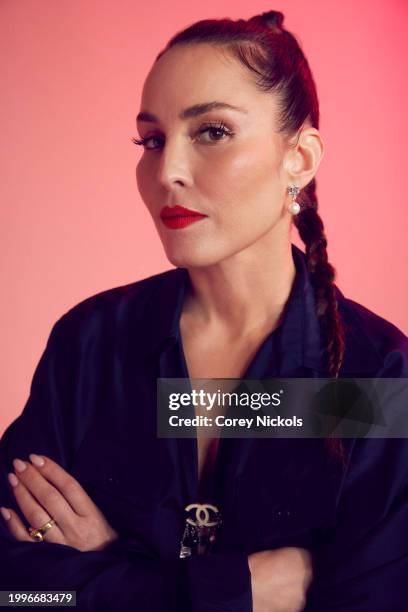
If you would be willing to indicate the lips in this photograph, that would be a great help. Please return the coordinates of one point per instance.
(178, 211)
(177, 217)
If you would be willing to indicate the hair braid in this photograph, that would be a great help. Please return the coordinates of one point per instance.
(311, 230)
(322, 274)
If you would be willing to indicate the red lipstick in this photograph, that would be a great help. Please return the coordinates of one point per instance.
(177, 217)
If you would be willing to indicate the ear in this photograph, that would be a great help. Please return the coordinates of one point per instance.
(302, 157)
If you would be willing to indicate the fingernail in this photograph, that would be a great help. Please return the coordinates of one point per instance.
(13, 480)
(19, 465)
(6, 514)
(37, 460)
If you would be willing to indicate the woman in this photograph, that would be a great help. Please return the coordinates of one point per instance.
(229, 124)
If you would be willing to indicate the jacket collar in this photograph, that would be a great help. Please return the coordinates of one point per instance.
(301, 335)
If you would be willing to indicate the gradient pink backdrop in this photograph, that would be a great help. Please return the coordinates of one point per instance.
(73, 223)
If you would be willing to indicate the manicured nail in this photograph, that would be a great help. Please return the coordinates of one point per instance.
(13, 480)
(6, 514)
(37, 460)
(19, 465)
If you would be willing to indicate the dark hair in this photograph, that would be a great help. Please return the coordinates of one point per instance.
(274, 55)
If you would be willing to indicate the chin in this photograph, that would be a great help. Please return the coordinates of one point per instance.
(191, 258)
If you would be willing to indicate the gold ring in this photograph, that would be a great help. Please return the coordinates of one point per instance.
(38, 534)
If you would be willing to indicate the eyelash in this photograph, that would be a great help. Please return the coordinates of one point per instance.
(220, 127)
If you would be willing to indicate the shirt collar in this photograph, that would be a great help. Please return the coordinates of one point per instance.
(301, 335)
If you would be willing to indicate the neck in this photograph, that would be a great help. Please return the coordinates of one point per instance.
(244, 294)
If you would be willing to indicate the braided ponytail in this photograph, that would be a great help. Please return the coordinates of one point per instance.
(278, 64)
(311, 230)
(322, 275)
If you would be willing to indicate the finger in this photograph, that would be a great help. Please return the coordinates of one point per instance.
(15, 526)
(70, 488)
(46, 494)
(35, 514)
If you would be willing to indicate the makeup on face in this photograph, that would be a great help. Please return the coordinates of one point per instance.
(178, 217)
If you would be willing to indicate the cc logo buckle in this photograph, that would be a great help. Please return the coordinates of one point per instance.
(202, 515)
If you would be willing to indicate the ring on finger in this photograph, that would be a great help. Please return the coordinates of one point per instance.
(38, 534)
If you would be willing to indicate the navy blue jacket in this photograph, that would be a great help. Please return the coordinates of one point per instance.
(92, 408)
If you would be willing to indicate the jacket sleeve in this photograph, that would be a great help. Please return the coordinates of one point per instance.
(115, 578)
(362, 563)
(124, 576)
(219, 583)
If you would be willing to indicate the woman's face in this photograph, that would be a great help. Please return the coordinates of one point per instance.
(224, 163)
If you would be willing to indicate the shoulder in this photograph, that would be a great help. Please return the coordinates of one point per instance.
(375, 337)
(112, 306)
(384, 335)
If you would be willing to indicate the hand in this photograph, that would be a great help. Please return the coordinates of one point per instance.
(280, 579)
(44, 490)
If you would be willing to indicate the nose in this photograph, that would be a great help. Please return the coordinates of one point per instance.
(175, 164)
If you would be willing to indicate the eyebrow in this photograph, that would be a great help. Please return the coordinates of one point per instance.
(192, 111)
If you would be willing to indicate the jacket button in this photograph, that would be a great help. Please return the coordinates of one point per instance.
(282, 513)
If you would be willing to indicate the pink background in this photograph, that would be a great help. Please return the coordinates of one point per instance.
(72, 221)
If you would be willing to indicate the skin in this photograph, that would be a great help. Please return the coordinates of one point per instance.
(240, 182)
(43, 489)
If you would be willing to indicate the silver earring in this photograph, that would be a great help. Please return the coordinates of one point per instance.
(294, 207)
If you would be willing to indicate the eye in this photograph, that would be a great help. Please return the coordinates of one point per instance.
(144, 141)
(218, 131)
(216, 128)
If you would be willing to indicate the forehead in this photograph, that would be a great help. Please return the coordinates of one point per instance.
(190, 74)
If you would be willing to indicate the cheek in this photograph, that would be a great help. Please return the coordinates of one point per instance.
(143, 180)
(245, 182)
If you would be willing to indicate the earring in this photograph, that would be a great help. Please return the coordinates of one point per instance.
(294, 207)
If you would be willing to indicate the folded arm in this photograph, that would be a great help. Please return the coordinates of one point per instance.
(122, 575)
